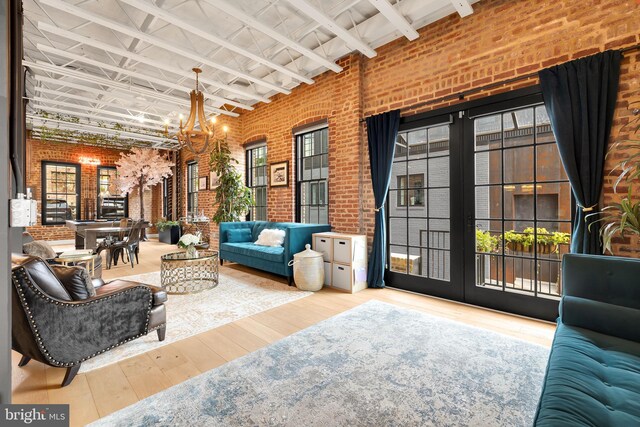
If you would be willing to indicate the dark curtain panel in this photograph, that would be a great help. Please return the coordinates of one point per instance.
(580, 97)
(382, 131)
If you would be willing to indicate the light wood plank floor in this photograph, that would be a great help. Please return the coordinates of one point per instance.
(103, 391)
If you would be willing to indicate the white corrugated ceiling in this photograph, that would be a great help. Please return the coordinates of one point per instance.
(120, 68)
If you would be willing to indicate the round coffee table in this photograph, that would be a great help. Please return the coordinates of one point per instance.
(183, 274)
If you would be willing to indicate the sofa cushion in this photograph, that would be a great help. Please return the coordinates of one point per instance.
(258, 227)
(44, 278)
(39, 248)
(76, 280)
(592, 379)
(268, 253)
(239, 235)
(271, 237)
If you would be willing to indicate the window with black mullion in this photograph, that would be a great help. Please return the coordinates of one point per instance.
(257, 181)
(312, 194)
(192, 188)
(60, 192)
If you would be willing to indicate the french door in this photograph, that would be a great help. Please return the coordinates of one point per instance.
(480, 208)
(518, 206)
(425, 219)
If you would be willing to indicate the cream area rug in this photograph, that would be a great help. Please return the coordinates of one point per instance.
(236, 296)
(374, 365)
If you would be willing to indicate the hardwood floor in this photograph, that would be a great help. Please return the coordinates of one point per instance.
(103, 391)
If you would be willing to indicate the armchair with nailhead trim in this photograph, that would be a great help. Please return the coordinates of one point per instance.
(58, 320)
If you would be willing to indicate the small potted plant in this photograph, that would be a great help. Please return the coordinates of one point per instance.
(168, 231)
(486, 246)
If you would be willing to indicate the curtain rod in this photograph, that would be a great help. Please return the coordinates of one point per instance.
(464, 93)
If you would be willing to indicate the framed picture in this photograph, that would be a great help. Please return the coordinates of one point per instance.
(214, 181)
(279, 174)
(202, 182)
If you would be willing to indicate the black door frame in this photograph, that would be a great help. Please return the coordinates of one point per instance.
(462, 211)
(512, 302)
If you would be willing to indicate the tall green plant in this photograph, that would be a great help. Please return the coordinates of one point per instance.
(233, 198)
(623, 218)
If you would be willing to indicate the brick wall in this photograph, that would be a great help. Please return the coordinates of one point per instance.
(38, 151)
(206, 197)
(501, 40)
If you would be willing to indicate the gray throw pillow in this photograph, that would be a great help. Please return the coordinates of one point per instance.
(40, 249)
(76, 280)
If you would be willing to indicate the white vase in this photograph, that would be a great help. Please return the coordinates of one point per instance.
(192, 251)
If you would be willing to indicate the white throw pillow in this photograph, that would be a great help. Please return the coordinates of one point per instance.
(271, 237)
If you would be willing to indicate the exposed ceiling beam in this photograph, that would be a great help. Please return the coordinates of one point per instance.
(265, 29)
(136, 74)
(40, 99)
(173, 20)
(113, 95)
(143, 59)
(320, 17)
(396, 18)
(180, 50)
(463, 7)
(59, 93)
(119, 85)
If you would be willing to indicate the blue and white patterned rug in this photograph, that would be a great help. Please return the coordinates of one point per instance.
(374, 365)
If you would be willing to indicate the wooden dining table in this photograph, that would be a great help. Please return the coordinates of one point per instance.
(92, 234)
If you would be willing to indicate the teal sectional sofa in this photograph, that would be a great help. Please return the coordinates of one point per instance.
(237, 244)
(593, 374)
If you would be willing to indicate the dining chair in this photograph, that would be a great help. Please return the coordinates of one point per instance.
(130, 245)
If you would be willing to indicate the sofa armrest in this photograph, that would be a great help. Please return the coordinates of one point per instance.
(297, 237)
(224, 226)
(607, 279)
(608, 319)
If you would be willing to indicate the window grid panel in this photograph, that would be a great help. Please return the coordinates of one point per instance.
(61, 193)
(537, 263)
(312, 195)
(257, 181)
(410, 203)
(192, 188)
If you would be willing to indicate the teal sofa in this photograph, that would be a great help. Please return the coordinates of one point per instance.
(237, 244)
(593, 374)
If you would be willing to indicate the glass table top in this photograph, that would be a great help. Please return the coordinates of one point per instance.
(182, 256)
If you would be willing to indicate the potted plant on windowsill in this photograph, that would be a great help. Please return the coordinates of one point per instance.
(168, 231)
(486, 246)
(546, 242)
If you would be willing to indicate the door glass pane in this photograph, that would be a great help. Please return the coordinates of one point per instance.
(488, 132)
(419, 204)
(517, 164)
(522, 204)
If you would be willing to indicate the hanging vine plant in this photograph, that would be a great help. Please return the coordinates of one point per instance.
(55, 134)
(233, 198)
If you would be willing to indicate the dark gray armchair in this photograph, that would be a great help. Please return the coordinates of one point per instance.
(57, 322)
